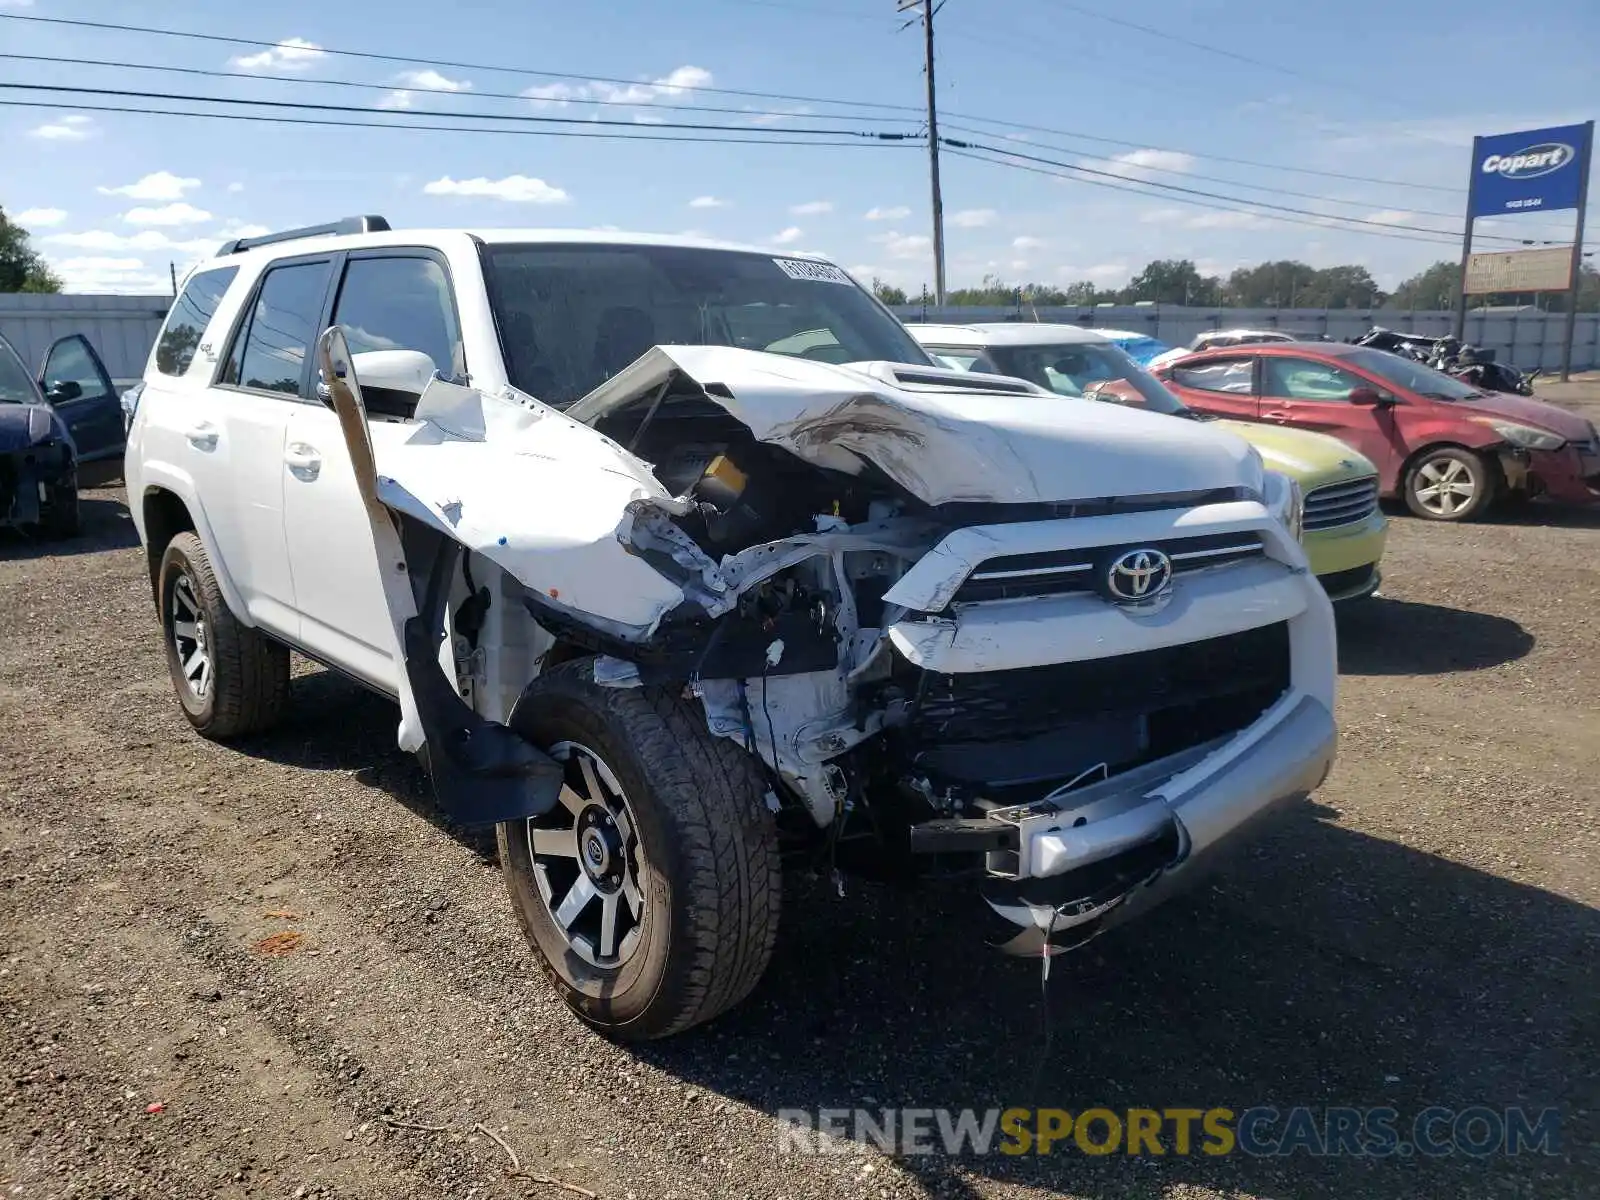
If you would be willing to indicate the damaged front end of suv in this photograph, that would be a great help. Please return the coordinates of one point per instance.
(923, 619)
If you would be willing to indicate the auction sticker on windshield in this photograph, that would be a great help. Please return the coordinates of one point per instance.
(818, 272)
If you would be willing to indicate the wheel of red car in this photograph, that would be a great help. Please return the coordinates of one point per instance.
(651, 892)
(1449, 484)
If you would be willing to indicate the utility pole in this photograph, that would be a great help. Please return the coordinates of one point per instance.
(928, 9)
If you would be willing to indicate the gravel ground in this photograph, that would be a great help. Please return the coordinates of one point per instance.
(1425, 932)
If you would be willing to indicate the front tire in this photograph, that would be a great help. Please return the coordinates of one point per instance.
(1450, 484)
(230, 679)
(651, 893)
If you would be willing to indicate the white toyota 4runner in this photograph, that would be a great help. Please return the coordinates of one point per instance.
(681, 558)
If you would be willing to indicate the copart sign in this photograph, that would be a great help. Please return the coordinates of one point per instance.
(1535, 170)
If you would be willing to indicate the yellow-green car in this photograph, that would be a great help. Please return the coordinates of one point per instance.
(1344, 529)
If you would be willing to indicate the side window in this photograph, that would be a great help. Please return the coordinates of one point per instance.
(956, 358)
(191, 313)
(1303, 379)
(16, 384)
(1231, 375)
(270, 351)
(401, 303)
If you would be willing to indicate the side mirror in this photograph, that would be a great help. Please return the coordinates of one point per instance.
(1370, 398)
(63, 390)
(404, 371)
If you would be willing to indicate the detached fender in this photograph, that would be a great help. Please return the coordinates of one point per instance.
(482, 772)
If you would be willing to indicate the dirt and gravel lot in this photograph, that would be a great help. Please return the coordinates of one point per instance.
(1426, 932)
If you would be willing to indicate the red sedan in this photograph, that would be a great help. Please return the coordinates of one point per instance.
(1448, 449)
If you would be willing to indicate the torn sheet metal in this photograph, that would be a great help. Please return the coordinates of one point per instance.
(538, 495)
(941, 443)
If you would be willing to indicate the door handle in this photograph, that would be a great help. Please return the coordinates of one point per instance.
(304, 462)
(1275, 415)
(202, 436)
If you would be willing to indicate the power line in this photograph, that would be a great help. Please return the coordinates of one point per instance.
(1185, 174)
(373, 56)
(402, 127)
(1177, 190)
(404, 114)
(403, 87)
(1321, 224)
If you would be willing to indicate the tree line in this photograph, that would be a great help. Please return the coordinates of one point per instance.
(1282, 284)
(21, 267)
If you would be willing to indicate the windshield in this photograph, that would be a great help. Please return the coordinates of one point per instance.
(1095, 371)
(16, 385)
(572, 316)
(1411, 376)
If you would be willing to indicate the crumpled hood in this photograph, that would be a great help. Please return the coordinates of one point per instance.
(23, 425)
(948, 440)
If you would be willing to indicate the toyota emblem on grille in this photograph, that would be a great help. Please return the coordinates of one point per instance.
(1138, 577)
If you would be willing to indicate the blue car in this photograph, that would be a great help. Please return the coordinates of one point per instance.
(1138, 346)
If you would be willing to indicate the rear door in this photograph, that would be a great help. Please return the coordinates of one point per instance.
(1312, 394)
(1224, 385)
(75, 383)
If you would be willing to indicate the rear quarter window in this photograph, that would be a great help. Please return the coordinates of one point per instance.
(191, 313)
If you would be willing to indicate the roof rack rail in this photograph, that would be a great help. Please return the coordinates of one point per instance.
(344, 225)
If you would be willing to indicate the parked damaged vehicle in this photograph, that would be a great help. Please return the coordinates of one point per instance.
(56, 434)
(681, 559)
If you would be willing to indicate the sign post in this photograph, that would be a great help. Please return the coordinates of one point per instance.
(1532, 170)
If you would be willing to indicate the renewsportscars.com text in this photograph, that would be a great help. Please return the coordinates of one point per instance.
(1475, 1131)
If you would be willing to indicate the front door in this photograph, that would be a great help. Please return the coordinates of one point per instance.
(1224, 386)
(1309, 394)
(75, 382)
(387, 300)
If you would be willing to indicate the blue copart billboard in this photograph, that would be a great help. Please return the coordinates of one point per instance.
(1535, 170)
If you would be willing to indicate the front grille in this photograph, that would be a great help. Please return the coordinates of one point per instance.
(1062, 572)
(1336, 504)
(1040, 724)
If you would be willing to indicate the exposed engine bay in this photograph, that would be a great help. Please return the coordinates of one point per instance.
(793, 543)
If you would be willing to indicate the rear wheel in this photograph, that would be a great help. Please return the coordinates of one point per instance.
(651, 892)
(1449, 484)
(230, 679)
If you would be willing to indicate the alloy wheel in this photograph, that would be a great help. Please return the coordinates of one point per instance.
(190, 637)
(1444, 486)
(588, 863)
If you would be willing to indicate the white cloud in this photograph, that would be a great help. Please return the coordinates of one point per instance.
(291, 54)
(707, 202)
(36, 217)
(236, 187)
(1140, 164)
(432, 81)
(64, 129)
(420, 81)
(517, 189)
(1099, 273)
(899, 213)
(161, 185)
(788, 237)
(169, 214)
(1026, 243)
(812, 208)
(127, 276)
(671, 86)
(1391, 216)
(901, 245)
(102, 264)
(1228, 220)
(973, 218)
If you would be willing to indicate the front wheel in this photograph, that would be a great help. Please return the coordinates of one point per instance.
(58, 515)
(651, 892)
(1449, 484)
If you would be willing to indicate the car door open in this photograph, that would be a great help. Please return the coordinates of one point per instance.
(75, 382)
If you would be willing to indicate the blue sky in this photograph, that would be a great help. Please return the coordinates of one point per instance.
(1358, 88)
